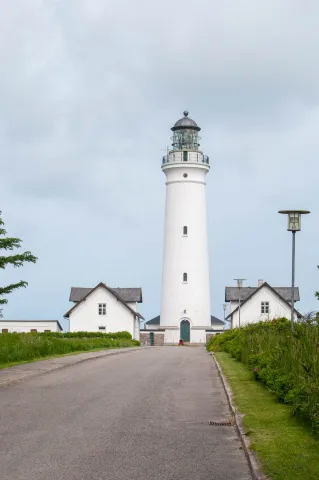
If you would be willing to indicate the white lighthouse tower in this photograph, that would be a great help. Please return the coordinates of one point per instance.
(185, 309)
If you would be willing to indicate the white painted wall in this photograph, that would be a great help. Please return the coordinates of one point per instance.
(118, 317)
(185, 205)
(173, 336)
(250, 312)
(152, 327)
(233, 305)
(28, 325)
(133, 305)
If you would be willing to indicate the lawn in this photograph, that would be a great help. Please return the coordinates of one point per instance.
(285, 447)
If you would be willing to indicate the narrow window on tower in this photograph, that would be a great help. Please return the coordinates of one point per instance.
(185, 156)
(184, 277)
(185, 231)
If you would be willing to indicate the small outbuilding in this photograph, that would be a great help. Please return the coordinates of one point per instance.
(25, 326)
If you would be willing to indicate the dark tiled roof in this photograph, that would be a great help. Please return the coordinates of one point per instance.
(232, 293)
(127, 294)
(130, 294)
(156, 321)
(216, 321)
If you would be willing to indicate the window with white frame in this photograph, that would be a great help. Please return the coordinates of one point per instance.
(102, 308)
(102, 328)
(264, 307)
(185, 277)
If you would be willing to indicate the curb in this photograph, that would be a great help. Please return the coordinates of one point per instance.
(251, 459)
(37, 373)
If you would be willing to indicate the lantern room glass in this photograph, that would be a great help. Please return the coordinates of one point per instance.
(185, 139)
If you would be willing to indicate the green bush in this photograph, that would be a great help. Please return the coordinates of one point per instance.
(17, 347)
(114, 336)
(286, 362)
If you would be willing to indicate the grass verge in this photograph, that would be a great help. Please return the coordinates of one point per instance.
(285, 448)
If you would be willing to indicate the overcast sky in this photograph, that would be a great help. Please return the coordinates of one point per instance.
(89, 90)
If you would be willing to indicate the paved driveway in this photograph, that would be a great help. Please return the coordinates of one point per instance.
(133, 416)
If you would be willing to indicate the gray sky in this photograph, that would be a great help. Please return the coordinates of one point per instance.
(88, 93)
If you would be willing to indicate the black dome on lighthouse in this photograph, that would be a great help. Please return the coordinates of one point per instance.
(186, 122)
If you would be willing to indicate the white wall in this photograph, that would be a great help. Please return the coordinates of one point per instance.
(233, 305)
(152, 327)
(185, 205)
(27, 325)
(250, 312)
(85, 317)
(217, 327)
(133, 305)
(173, 336)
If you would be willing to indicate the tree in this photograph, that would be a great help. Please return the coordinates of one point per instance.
(317, 314)
(10, 243)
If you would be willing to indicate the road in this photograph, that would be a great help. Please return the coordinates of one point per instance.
(133, 416)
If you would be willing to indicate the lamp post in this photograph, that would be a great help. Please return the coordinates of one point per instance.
(294, 225)
(239, 286)
(224, 307)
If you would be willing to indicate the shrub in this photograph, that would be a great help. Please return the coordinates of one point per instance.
(286, 362)
(17, 347)
(115, 335)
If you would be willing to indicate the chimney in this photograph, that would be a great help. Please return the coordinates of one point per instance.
(260, 282)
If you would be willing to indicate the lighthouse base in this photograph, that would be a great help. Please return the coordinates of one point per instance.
(171, 336)
(174, 334)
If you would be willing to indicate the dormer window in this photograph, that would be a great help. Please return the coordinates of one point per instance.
(102, 308)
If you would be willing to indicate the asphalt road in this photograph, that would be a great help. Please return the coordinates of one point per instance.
(133, 416)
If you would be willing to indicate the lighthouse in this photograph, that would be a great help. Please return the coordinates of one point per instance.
(185, 306)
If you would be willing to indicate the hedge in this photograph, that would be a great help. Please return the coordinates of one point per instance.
(114, 336)
(20, 347)
(286, 362)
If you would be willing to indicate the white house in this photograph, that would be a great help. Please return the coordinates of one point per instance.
(259, 303)
(25, 326)
(105, 309)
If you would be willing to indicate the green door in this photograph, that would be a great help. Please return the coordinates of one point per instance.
(185, 331)
(152, 338)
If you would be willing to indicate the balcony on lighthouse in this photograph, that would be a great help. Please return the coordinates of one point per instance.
(185, 143)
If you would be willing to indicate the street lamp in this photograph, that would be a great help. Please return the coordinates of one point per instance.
(294, 225)
(224, 307)
(239, 286)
